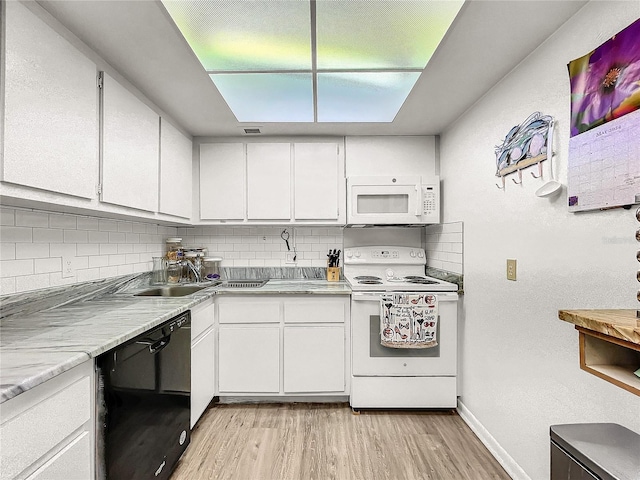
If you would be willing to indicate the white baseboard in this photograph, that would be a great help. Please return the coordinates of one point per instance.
(508, 463)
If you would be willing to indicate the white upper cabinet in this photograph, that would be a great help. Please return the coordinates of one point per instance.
(51, 109)
(268, 181)
(130, 149)
(272, 183)
(222, 181)
(317, 174)
(176, 160)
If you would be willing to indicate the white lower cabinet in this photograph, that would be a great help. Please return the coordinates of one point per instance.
(249, 359)
(313, 359)
(283, 345)
(48, 431)
(202, 359)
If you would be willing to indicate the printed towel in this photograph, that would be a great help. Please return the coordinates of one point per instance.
(408, 320)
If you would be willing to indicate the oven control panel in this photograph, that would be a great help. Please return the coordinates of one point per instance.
(392, 255)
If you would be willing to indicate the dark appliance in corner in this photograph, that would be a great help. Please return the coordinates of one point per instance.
(143, 403)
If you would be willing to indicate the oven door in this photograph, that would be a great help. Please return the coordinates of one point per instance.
(370, 358)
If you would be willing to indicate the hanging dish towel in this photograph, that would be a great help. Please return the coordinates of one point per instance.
(408, 320)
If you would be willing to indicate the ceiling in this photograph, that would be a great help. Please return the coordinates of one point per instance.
(486, 41)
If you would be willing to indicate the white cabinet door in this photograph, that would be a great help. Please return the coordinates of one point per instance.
(314, 359)
(222, 181)
(130, 149)
(202, 374)
(176, 160)
(268, 181)
(317, 175)
(51, 109)
(249, 359)
(68, 463)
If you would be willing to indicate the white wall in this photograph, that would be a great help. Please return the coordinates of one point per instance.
(519, 367)
(33, 242)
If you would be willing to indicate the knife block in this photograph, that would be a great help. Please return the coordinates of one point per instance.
(333, 274)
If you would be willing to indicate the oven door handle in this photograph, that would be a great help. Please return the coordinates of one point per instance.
(365, 297)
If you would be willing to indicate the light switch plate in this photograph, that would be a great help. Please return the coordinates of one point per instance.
(511, 269)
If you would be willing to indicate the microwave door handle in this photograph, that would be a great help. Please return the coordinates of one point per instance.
(419, 202)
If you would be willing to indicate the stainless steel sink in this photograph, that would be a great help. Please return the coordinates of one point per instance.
(171, 291)
(244, 283)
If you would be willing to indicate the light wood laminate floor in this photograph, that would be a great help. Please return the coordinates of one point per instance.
(307, 441)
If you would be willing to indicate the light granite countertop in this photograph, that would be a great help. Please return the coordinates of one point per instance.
(45, 333)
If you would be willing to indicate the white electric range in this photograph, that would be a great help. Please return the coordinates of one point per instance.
(384, 377)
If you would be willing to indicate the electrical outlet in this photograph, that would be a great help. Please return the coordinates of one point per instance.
(68, 267)
(289, 258)
(511, 269)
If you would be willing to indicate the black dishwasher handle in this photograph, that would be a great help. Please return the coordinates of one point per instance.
(155, 346)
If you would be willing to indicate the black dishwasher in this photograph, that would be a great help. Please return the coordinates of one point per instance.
(143, 406)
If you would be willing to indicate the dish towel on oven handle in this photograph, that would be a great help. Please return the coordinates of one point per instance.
(408, 320)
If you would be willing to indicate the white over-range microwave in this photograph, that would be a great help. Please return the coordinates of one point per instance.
(389, 200)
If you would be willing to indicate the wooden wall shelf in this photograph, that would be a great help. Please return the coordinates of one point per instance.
(609, 344)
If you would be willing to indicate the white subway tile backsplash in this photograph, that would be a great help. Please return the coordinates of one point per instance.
(47, 235)
(47, 265)
(88, 223)
(31, 250)
(7, 218)
(63, 221)
(7, 251)
(8, 285)
(28, 218)
(117, 237)
(98, 261)
(15, 268)
(76, 236)
(16, 234)
(32, 282)
(107, 225)
(444, 246)
(62, 250)
(83, 249)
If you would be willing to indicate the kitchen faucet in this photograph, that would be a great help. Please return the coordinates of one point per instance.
(195, 269)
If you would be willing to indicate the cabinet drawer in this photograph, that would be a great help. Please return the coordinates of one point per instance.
(71, 463)
(325, 310)
(249, 312)
(201, 319)
(33, 433)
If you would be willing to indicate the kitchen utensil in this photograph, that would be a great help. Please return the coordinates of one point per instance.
(285, 236)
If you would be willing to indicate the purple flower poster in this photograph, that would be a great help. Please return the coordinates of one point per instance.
(604, 151)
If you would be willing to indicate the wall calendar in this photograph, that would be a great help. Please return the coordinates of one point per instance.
(604, 148)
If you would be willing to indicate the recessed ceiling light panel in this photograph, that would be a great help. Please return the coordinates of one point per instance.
(245, 35)
(267, 97)
(363, 97)
(373, 34)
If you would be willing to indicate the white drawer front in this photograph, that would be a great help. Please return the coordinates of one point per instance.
(36, 431)
(73, 462)
(250, 312)
(314, 311)
(201, 319)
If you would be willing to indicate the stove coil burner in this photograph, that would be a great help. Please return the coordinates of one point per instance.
(370, 282)
(367, 277)
(421, 281)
